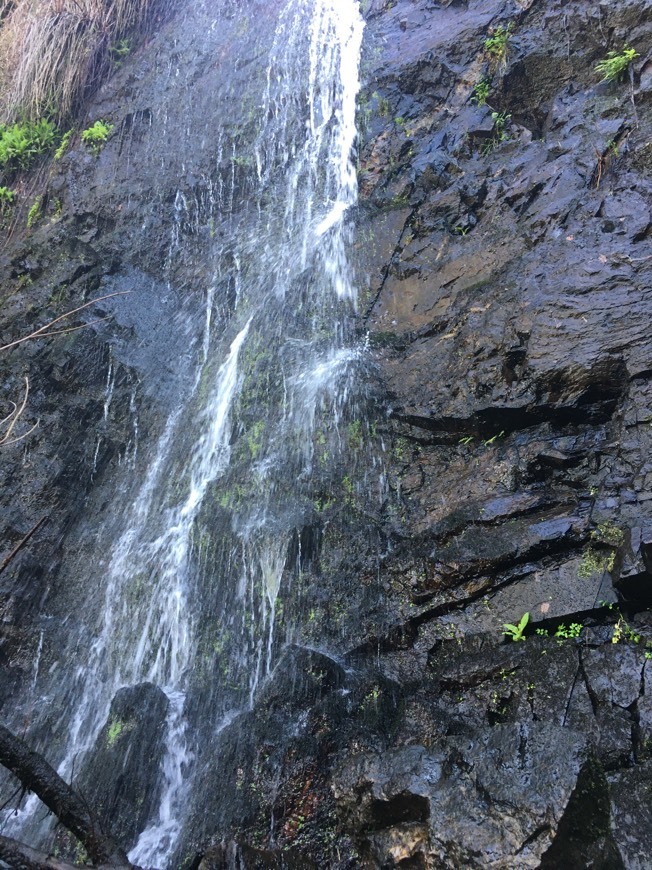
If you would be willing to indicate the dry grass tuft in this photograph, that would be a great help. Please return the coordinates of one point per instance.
(54, 52)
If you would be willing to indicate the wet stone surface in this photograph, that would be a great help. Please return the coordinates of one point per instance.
(505, 291)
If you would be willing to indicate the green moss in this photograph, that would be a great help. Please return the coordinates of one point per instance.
(35, 213)
(354, 435)
(607, 533)
(116, 727)
(63, 145)
(254, 439)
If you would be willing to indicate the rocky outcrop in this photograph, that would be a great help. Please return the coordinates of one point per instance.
(508, 263)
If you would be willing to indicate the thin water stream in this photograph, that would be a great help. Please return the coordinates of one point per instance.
(169, 582)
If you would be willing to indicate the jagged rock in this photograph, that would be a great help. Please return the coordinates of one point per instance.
(504, 290)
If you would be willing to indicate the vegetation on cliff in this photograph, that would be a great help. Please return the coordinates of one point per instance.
(54, 52)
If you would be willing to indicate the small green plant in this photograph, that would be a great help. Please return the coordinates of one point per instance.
(7, 197)
(493, 440)
(119, 51)
(496, 43)
(35, 212)
(21, 143)
(614, 65)
(624, 631)
(481, 92)
(501, 120)
(371, 698)
(566, 632)
(63, 145)
(542, 632)
(96, 137)
(516, 631)
(383, 105)
(402, 125)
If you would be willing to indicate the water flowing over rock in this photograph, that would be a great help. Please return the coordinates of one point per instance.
(369, 379)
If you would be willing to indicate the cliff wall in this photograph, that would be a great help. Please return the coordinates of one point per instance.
(497, 464)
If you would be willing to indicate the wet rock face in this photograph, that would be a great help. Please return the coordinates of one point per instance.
(505, 251)
(122, 777)
(503, 258)
(110, 228)
(505, 245)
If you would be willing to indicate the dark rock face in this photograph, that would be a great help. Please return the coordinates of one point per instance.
(505, 269)
(122, 777)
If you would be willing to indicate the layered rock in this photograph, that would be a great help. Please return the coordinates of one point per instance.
(500, 466)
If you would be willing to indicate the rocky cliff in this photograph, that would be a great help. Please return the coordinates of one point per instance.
(497, 463)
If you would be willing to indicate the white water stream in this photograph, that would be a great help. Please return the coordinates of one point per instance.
(149, 628)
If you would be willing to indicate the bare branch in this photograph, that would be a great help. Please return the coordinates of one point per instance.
(72, 328)
(14, 417)
(40, 777)
(20, 545)
(38, 333)
(21, 857)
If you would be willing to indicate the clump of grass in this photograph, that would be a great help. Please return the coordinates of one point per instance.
(54, 52)
(614, 65)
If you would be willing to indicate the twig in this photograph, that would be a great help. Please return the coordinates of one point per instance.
(72, 328)
(21, 790)
(20, 437)
(21, 544)
(38, 333)
(602, 161)
(16, 414)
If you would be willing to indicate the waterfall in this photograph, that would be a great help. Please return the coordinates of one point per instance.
(201, 555)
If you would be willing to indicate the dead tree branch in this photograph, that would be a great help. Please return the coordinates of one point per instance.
(42, 332)
(11, 420)
(21, 857)
(40, 777)
(21, 544)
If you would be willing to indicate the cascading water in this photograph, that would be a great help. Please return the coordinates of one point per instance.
(200, 562)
